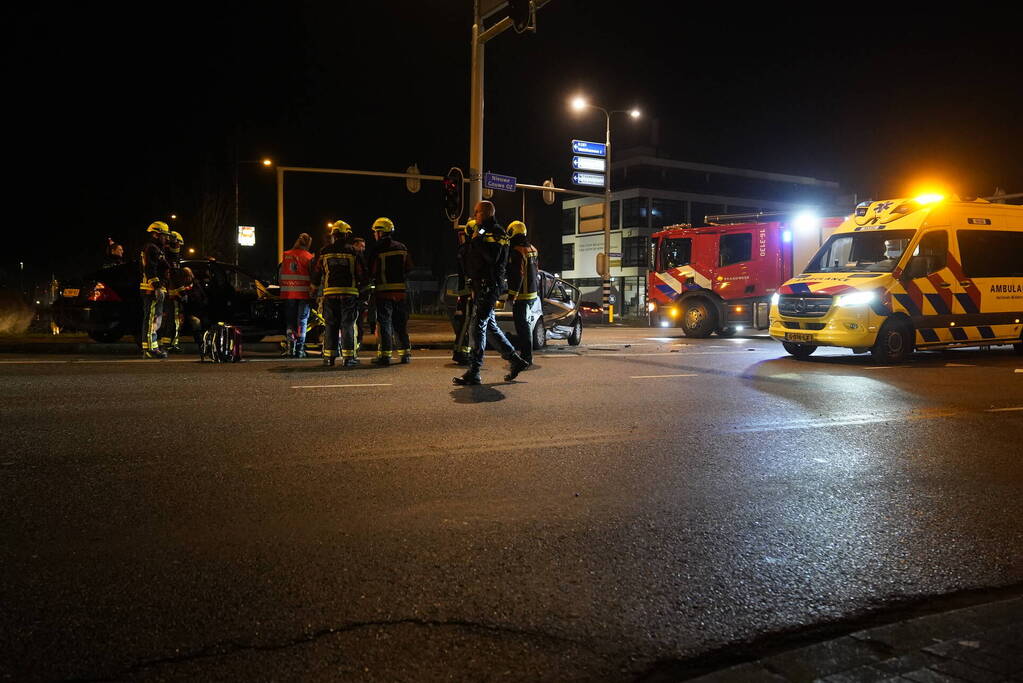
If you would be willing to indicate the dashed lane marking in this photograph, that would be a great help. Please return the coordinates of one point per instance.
(657, 376)
(1003, 410)
(338, 386)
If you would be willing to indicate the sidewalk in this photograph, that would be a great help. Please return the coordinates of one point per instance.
(977, 644)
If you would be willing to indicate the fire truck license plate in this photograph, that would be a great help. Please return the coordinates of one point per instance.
(796, 337)
(71, 292)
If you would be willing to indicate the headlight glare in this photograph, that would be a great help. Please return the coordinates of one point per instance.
(775, 298)
(855, 298)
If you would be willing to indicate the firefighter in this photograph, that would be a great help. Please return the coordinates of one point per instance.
(389, 265)
(296, 293)
(485, 263)
(152, 289)
(523, 283)
(342, 273)
(463, 311)
(173, 316)
(364, 299)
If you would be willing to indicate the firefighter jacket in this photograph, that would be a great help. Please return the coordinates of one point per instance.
(523, 271)
(389, 264)
(487, 256)
(340, 270)
(154, 267)
(177, 284)
(294, 274)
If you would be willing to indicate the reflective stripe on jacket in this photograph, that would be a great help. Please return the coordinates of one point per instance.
(340, 270)
(153, 266)
(390, 264)
(294, 275)
(523, 272)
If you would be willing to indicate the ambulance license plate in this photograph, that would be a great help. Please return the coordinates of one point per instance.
(70, 293)
(797, 337)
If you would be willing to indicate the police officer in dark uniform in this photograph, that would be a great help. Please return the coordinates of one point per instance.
(486, 260)
(341, 272)
(523, 283)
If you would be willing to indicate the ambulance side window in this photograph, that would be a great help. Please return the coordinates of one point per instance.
(991, 253)
(735, 248)
(930, 255)
(676, 253)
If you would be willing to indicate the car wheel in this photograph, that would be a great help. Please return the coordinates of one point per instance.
(105, 336)
(576, 337)
(699, 319)
(894, 342)
(539, 335)
(726, 332)
(799, 351)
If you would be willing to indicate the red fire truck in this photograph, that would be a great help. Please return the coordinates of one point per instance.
(720, 278)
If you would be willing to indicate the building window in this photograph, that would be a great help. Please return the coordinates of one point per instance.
(567, 257)
(735, 248)
(634, 252)
(665, 212)
(635, 213)
(616, 215)
(568, 221)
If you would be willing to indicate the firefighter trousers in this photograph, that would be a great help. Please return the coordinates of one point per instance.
(170, 327)
(152, 317)
(484, 324)
(392, 321)
(523, 333)
(340, 314)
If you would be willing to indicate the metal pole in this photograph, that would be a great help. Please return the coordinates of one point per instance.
(607, 219)
(234, 231)
(280, 214)
(476, 112)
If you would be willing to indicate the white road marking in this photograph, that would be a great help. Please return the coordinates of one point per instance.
(338, 386)
(1003, 410)
(656, 376)
(959, 365)
(1019, 370)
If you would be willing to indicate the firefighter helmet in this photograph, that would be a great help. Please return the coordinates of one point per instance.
(176, 238)
(516, 228)
(339, 226)
(158, 227)
(383, 225)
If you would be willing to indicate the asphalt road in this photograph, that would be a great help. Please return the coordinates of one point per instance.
(627, 503)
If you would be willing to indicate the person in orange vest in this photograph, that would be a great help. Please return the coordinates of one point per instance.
(296, 293)
(523, 283)
(389, 264)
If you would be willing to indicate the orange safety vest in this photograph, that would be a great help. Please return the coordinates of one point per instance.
(294, 274)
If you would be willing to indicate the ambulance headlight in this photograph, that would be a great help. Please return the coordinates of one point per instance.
(855, 299)
(775, 298)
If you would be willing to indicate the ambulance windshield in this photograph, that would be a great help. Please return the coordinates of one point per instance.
(872, 252)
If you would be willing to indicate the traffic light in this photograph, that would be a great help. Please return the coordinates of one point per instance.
(521, 12)
(453, 194)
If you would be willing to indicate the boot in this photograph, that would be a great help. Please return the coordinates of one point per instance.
(382, 361)
(154, 354)
(287, 348)
(299, 350)
(406, 358)
(518, 364)
(351, 362)
(470, 378)
(328, 361)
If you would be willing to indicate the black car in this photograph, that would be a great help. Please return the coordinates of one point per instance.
(554, 315)
(107, 305)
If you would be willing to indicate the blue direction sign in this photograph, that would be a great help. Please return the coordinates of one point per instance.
(496, 181)
(592, 179)
(594, 149)
(589, 164)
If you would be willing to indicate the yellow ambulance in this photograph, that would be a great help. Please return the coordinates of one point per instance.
(904, 274)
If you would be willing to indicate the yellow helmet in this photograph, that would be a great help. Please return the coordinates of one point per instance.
(383, 225)
(159, 227)
(516, 228)
(176, 237)
(339, 226)
(470, 227)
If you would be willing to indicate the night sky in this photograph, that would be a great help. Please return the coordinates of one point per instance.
(123, 115)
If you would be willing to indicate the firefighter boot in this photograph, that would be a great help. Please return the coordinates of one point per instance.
(406, 358)
(351, 362)
(382, 361)
(471, 377)
(328, 361)
(518, 364)
(154, 353)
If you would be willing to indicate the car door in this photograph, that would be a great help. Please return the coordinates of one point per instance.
(931, 289)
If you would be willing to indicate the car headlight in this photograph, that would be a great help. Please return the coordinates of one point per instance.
(775, 298)
(855, 298)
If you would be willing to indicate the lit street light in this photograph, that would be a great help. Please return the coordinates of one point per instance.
(578, 104)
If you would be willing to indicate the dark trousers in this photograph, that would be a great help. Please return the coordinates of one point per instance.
(484, 323)
(296, 320)
(152, 317)
(392, 322)
(340, 314)
(523, 333)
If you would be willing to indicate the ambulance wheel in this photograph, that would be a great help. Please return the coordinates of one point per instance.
(699, 320)
(799, 351)
(726, 332)
(894, 342)
(539, 335)
(576, 336)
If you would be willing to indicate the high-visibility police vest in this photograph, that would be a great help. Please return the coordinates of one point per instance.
(523, 280)
(294, 274)
(389, 267)
(339, 273)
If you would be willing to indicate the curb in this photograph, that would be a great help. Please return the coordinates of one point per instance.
(126, 349)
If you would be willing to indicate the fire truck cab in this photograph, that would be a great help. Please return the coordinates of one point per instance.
(719, 279)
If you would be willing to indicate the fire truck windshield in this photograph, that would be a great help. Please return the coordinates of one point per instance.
(872, 252)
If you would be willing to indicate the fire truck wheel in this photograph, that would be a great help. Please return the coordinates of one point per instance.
(726, 332)
(800, 351)
(698, 319)
(894, 342)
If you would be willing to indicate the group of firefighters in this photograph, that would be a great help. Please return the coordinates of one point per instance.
(491, 261)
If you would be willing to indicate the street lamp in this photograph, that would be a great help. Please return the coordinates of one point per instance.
(265, 163)
(578, 104)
